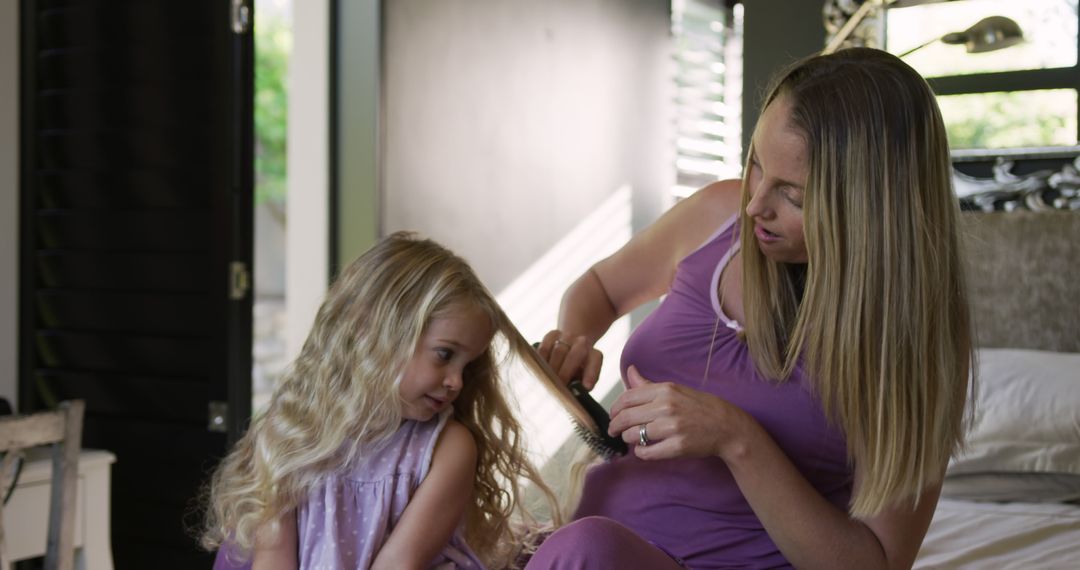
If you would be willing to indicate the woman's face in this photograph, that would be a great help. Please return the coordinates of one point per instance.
(777, 177)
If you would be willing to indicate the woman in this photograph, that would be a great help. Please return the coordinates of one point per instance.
(796, 397)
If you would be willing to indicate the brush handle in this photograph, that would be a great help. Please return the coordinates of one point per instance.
(600, 441)
(599, 415)
(595, 410)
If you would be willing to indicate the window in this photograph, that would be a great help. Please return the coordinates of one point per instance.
(1049, 28)
(1010, 119)
(1021, 96)
(708, 82)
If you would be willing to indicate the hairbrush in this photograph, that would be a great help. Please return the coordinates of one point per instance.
(590, 419)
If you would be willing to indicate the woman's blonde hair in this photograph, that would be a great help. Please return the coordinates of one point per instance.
(881, 314)
(340, 399)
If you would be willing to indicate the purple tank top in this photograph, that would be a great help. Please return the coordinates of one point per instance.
(692, 508)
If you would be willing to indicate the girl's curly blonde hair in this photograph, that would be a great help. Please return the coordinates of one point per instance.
(340, 397)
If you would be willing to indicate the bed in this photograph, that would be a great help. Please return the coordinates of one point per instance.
(1012, 498)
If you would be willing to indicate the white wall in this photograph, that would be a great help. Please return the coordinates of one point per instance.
(9, 197)
(508, 122)
(358, 154)
(306, 242)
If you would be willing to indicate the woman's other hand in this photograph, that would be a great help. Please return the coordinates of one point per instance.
(679, 421)
(572, 357)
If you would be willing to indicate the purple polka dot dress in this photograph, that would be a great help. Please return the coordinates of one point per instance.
(350, 514)
(347, 519)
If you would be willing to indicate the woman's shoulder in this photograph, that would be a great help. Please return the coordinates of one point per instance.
(703, 212)
(721, 199)
(644, 268)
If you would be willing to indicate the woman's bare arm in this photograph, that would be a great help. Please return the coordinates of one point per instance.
(638, 272)
(810, 531)
(814, 533)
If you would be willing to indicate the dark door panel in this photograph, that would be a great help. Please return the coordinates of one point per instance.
(157, 64)
(105, 352)
(135, 238)
(157, 230)
(125, 312)
(158, 149)
(146, 554)
(168, 453)
(90, 189)
(168, 478)
(157, 106)
(87, 23)
(124, 396)
(135, 272)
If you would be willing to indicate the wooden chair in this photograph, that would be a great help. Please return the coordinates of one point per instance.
(63, 430)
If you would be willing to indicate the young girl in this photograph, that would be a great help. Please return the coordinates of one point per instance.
(388, 444)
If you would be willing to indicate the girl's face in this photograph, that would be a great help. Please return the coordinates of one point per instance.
(433, 377)
(777, 177)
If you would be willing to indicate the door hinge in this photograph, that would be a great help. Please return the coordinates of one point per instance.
(241, 16)
(239, 281)
(218, 416)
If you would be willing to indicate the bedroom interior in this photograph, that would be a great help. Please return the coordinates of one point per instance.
(1011, 500)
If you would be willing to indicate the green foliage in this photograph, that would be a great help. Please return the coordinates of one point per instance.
(273, 44)
(1011, 119)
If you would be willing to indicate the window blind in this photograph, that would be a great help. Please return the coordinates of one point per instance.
(708, 86)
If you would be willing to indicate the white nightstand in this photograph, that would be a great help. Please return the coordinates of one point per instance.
(26, 516)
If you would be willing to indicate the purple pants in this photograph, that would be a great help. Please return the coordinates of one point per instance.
(599, 542)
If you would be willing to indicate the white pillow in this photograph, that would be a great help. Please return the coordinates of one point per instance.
(1013, 487)
(1027, 414)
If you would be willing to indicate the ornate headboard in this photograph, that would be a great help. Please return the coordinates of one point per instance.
(1024, 278)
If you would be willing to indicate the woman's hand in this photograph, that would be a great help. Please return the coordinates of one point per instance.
(679, 421)
(572, 357)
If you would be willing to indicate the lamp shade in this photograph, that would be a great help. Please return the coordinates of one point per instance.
(988, 34)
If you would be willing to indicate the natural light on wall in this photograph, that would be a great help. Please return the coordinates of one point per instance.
(707, 58)
(532, 303)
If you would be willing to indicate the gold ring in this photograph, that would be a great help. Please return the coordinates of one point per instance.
(643, 436)
(559, 341)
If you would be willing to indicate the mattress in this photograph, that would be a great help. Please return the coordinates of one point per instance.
(970, 535)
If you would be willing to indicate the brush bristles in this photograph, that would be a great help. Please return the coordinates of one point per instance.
(600, 445)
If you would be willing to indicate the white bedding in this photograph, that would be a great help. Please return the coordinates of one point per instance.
(969, 535)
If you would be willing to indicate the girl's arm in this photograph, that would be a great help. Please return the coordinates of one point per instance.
(638, 272)
(810, 531)
(277, 551)
(437, 507)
